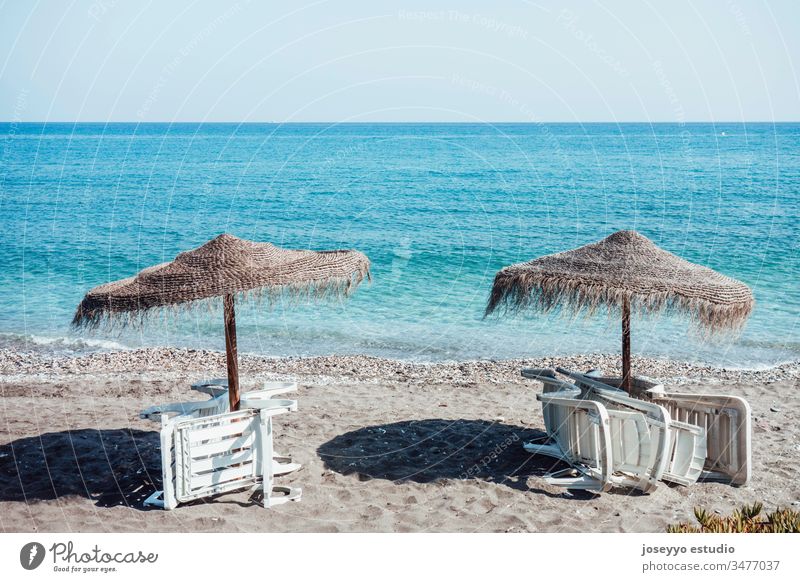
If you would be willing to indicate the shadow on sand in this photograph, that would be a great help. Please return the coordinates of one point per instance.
(111, 467)
(424, 451)
(122, 467)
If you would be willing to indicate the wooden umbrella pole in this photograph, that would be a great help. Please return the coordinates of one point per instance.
(230, 351)
(626, 345)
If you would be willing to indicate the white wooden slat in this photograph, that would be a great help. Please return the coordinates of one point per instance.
(717, 433)
(221, 461)
(167, 450)
(216, 489)
(229, 444)
(222, 476)
(569, 433)
(630, 443)
(219, 431)
(587, 441)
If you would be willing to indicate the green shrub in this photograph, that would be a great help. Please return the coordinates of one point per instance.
(745, 520)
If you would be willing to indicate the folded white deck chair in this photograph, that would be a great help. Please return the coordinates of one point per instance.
(680, 446)
(282, 464)
(582, 438)
(633, 455)
(208, 455)
(727, 423)
(217, 388)
(636, 459)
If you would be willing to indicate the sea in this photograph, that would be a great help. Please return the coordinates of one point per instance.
(437, 207)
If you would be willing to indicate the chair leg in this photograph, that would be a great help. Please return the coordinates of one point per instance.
(282, 465)
(573, 479)
(168, 499)
(284, 495)
(549, 450)
(155, 500)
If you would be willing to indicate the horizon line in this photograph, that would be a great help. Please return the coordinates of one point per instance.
(97, 122)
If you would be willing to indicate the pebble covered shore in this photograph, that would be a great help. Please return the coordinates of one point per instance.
(331, 369)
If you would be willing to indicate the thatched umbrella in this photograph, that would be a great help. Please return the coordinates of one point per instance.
(224, 267)
(623, 271)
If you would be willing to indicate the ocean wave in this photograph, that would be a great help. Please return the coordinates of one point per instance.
(30, 342)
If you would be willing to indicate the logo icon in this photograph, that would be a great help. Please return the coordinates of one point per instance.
(31, 555)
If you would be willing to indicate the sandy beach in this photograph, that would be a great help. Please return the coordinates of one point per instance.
(386, 446)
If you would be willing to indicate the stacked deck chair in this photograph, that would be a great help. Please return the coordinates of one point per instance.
(613, 439)
(207, 450)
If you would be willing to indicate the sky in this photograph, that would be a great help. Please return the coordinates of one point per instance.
(432, 60)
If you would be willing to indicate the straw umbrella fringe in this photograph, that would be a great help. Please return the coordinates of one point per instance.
(224, 268)
(225, 265)
(513, 293)
(625, 272)
(110, 313)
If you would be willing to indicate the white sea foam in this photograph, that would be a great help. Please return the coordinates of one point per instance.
(58, 343)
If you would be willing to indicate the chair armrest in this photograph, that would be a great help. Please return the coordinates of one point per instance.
(271, 405)
(178, 408)
(213, 387)
(537, 373)
(274, 388)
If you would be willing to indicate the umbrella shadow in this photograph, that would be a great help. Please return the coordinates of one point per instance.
(425, 451)
(111, 467)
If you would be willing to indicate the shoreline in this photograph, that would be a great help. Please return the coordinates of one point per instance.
(168, 361)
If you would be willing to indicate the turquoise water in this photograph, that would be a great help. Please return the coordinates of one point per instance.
(438, 208)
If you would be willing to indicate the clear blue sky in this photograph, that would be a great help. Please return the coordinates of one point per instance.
(432, 60)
